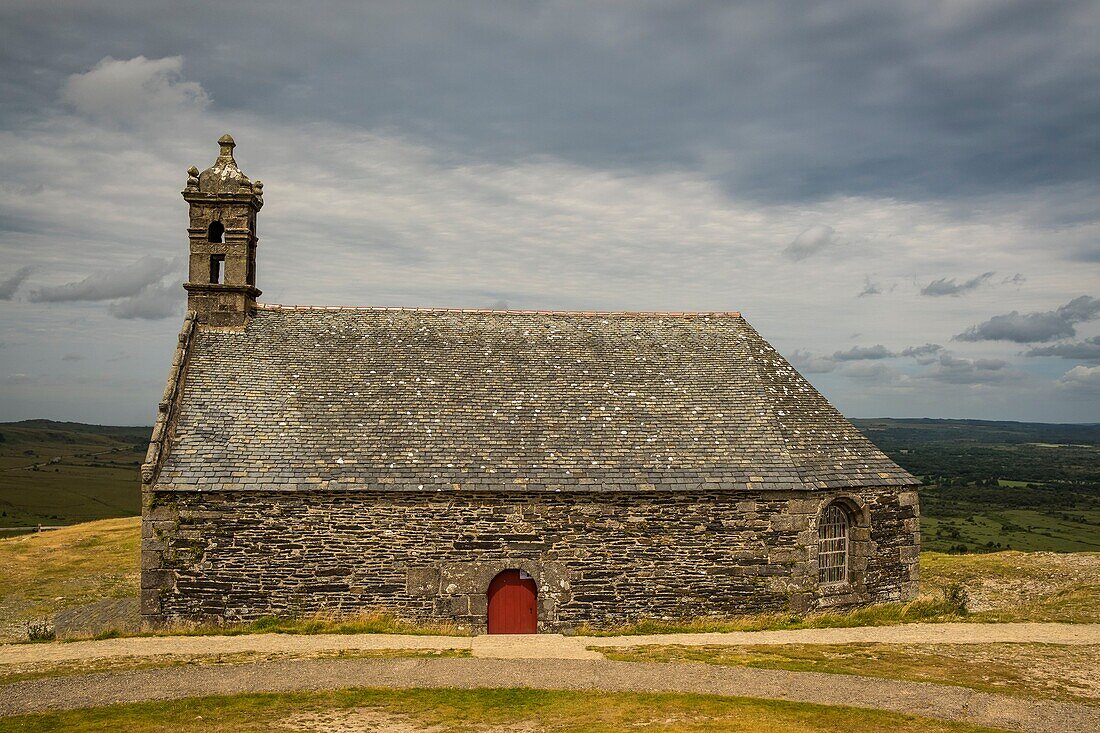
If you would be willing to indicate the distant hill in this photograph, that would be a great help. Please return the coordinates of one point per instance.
(62, 473)
(909, 432)
(989, 485)
(140, 432)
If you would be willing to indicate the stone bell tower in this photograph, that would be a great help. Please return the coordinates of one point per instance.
(221, 281)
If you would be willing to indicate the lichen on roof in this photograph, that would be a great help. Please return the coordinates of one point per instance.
(479, 400)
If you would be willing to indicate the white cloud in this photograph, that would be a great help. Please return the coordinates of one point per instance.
(952, 369)
(129, 90)
(1081, 378)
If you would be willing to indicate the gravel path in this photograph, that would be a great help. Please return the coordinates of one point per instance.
(948, 703)
(542, 646)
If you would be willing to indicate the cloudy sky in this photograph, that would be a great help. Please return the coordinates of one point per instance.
(902, 197)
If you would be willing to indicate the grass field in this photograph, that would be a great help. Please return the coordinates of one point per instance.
(488, 711)
(1028, 529)
(62, 473)
(1027, 670)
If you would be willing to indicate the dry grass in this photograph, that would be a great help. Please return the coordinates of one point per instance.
(1020, 586)
(366, 622)
(465, 711)
(1031, 670)
(923, 610)
(46, 572)
(39, 670)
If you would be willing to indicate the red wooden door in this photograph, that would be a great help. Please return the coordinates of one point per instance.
(513, 608)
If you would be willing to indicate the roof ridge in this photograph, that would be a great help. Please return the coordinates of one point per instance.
(497, 311)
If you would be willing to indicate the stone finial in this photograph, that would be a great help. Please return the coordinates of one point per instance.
(224, 176)
(227, 144)
(193, 177)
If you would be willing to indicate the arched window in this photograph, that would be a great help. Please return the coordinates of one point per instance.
(832, 545)
(214, 232)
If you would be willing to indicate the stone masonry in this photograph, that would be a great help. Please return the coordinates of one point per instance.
(601, 560)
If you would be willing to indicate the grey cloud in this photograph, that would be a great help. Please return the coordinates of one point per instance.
(809, 363)
(869, 288)
(1024, 328)
(10, 284)
(783, 103)
(921, 351)
(948, 286)
(924, 355)
(951, 369)
(859, 362)
(1016, 279)
(860, 353)
(1087, 350)
(877, 373)
(72, 357)
(108, 284)
(152, 303)
(811, 241)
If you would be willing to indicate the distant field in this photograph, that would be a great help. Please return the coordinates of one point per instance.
(999, 485)
(61, 473)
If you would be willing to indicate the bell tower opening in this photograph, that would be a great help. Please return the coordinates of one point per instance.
(224, 203)
(217, 269)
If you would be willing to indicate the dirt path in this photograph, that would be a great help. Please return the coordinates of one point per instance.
(543, 646)
(947, 703)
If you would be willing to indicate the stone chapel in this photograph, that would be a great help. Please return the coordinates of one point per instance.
(507, 471)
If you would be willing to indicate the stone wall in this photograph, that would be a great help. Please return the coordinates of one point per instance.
(602, 559)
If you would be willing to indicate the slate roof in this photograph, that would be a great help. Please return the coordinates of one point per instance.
(430, 400)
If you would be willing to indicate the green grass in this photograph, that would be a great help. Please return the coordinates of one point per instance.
(95, 476)
(1020, 529)
(478, 710)
(1028, 670)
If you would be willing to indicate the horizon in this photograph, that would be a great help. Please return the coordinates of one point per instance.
(849, 417)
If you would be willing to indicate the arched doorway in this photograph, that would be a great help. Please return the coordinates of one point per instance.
(513, 604)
